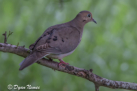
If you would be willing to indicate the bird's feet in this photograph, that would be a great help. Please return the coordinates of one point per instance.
(62, 62)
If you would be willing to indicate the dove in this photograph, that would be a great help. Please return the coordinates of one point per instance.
(59, 40)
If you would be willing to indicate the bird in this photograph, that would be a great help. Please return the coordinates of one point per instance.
(58, 41)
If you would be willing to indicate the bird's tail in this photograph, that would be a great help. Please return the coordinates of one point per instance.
(32, 58)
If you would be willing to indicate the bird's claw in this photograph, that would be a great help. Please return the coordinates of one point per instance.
(61, 63)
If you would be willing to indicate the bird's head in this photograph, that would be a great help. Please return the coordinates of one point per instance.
(85, 17)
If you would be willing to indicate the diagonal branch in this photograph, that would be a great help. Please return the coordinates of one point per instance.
(87, 74)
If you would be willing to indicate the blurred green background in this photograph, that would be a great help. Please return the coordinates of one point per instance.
(108, 47)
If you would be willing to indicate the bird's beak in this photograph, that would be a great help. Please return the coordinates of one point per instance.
(94, 21)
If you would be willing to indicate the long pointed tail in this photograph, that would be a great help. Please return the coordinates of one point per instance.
(32, 58)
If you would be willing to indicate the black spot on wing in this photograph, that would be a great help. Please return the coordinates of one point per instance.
(50, 33)
(62, 40)
(55, 38)
(48, 40)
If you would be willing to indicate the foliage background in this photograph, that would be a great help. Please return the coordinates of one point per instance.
(109, 47)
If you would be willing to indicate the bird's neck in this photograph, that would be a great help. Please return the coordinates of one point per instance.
(77, 23)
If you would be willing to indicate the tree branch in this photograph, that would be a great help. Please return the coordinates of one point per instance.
(87, 74)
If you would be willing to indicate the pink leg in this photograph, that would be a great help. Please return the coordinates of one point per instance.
(62, 62)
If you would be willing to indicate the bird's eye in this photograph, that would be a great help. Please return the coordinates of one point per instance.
(89, 15)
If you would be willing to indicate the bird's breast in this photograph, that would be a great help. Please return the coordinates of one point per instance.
(59, 56)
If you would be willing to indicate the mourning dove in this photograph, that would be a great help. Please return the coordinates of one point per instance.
(59, 40)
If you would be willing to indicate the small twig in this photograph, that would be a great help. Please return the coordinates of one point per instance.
(91, 70)
(96, 87)
(17, 45)
(9, 34)
(5, 37)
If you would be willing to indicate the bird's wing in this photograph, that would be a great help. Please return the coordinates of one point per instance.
(46, 33)
(65, 39)
(56, 41)
(60, 39)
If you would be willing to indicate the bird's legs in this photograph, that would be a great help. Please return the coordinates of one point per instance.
(62, 62)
